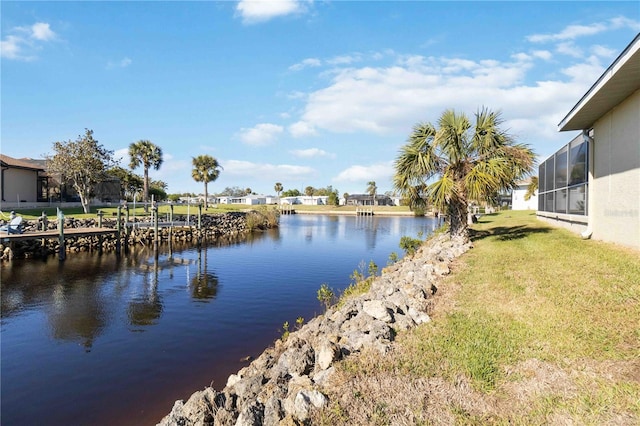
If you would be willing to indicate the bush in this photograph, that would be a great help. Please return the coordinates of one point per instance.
(410, 245)
(326, 295)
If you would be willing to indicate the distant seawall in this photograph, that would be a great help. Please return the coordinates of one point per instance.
(232, 226)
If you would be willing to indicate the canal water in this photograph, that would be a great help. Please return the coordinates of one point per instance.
(105, 340)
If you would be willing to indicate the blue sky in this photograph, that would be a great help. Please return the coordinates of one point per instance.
(300, 92)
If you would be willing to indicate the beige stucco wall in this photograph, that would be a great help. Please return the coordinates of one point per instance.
(20, 185)
(614, 186)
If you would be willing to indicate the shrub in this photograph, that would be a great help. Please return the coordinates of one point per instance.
(326, 295)
(410, 245)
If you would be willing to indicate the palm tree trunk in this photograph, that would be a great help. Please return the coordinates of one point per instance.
(206, 197)
(145, 189)
(458, 226)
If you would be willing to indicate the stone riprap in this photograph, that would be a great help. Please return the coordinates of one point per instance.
(285, 382)
(227, 228)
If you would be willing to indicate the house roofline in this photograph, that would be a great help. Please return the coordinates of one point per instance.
(622, 78)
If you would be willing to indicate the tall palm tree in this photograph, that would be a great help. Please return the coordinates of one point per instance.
(371, 190)
(148, 155)
(278, 188)
(309, 190)
(456, 162)
(205, 169)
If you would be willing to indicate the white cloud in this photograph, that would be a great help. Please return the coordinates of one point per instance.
(542, 54)
(624, 22)
(311, 153)
(306, 63)
(260, 135)
(573, 32)
(302, 129)
(379, 172)
(380, 100)
(11, 47)
(23, 42)
(570, 49)
(603, 52)
(391, 99)
(42, 31)
(123, 63)
(255, 11)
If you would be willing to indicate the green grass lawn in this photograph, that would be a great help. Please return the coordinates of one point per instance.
(534, 326)
(110, 211)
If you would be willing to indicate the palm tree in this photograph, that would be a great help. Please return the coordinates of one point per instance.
(205, 169)
(532, 188)
(278, 188)
(148, 155)
(309, 190)
(467, 162)
(371, 190)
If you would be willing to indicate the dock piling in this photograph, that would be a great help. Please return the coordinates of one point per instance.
(62, 252)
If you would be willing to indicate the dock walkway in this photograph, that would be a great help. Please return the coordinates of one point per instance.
(54, 233)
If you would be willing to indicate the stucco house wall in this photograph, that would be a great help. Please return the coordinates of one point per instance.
(614, 188)
(20, 185)
(608, 116)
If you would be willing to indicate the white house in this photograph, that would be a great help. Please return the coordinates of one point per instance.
(314, 200)
(518, 194)
(250, 200)
(592, 184)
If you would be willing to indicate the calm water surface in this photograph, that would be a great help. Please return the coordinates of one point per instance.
(101, 340)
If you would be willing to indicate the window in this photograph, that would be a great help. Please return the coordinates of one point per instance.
(578, 163)
(563, 179)
(561, 168)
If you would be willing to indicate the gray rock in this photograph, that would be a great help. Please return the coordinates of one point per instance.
(277, 385)
(378, 310)
(251, 416)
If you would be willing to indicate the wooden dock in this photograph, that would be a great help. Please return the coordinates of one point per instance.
(364, 211)
(54, 233)
(287, 209)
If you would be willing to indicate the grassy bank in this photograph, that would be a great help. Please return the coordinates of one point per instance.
(183, 209)
(534, 326)
(110, 211)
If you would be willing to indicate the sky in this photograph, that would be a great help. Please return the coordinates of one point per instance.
(305, 93)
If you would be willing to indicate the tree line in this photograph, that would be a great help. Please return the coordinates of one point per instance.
(85, 162)
(448, 164)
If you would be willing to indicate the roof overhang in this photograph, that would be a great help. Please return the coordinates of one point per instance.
(617, 83)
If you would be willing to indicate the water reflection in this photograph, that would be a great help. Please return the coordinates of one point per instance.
(145, 309)
(117, 334)
(204, 285)
(80, 296)
(77, 313)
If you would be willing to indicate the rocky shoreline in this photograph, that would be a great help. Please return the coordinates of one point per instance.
(286, 381)
(214, 227)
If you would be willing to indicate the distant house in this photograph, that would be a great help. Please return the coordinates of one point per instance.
(517, 197)
(368, 200)
(250, 200)
(22, 180)
(592, 184)
(306, 200)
